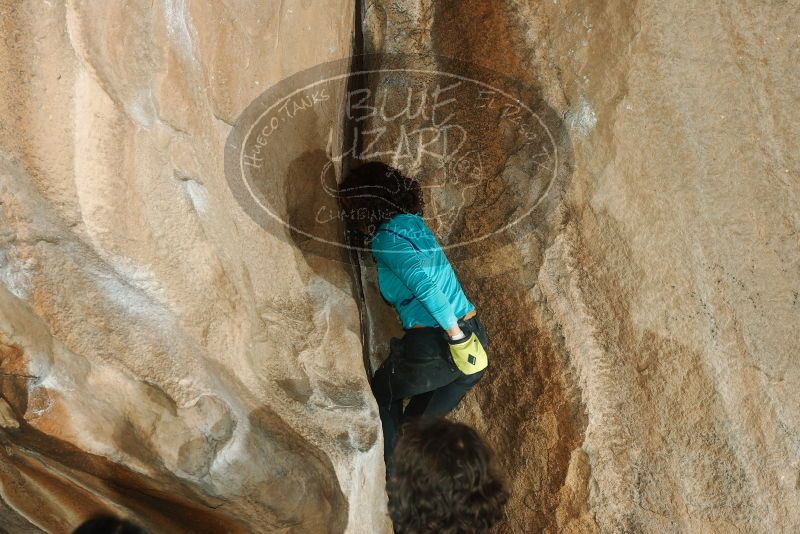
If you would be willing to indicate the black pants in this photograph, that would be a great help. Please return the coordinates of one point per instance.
(419, 368)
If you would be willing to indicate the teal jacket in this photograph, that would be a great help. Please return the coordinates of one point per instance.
(415, 276)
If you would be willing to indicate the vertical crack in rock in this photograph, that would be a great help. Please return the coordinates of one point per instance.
(165, 355)
(353, 142)
(527, 406)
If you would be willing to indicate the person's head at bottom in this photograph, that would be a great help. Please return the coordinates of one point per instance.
(108, 524)
(444, 480)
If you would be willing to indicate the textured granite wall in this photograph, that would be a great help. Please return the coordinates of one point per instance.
(161, 355)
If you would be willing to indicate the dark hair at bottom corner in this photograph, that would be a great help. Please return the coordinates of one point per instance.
(444, 480)
(108, 524)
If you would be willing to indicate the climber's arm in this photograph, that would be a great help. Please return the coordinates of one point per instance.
(401, 258)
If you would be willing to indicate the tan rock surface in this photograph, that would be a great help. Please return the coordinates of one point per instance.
(162, 356)
(645, 365)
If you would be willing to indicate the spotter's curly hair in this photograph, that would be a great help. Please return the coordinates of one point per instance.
(375, 192)
(444, 480)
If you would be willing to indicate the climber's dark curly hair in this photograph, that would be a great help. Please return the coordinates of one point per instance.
(374, 192)
(444, 480)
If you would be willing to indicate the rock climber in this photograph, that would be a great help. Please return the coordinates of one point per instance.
(443, 351)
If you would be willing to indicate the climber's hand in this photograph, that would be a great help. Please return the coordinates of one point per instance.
(468, 354)
(455, 333)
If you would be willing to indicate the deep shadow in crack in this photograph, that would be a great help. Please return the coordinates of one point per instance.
(44, 476)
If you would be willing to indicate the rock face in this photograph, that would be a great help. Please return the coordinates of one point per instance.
(644, 370)
(161, 356)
